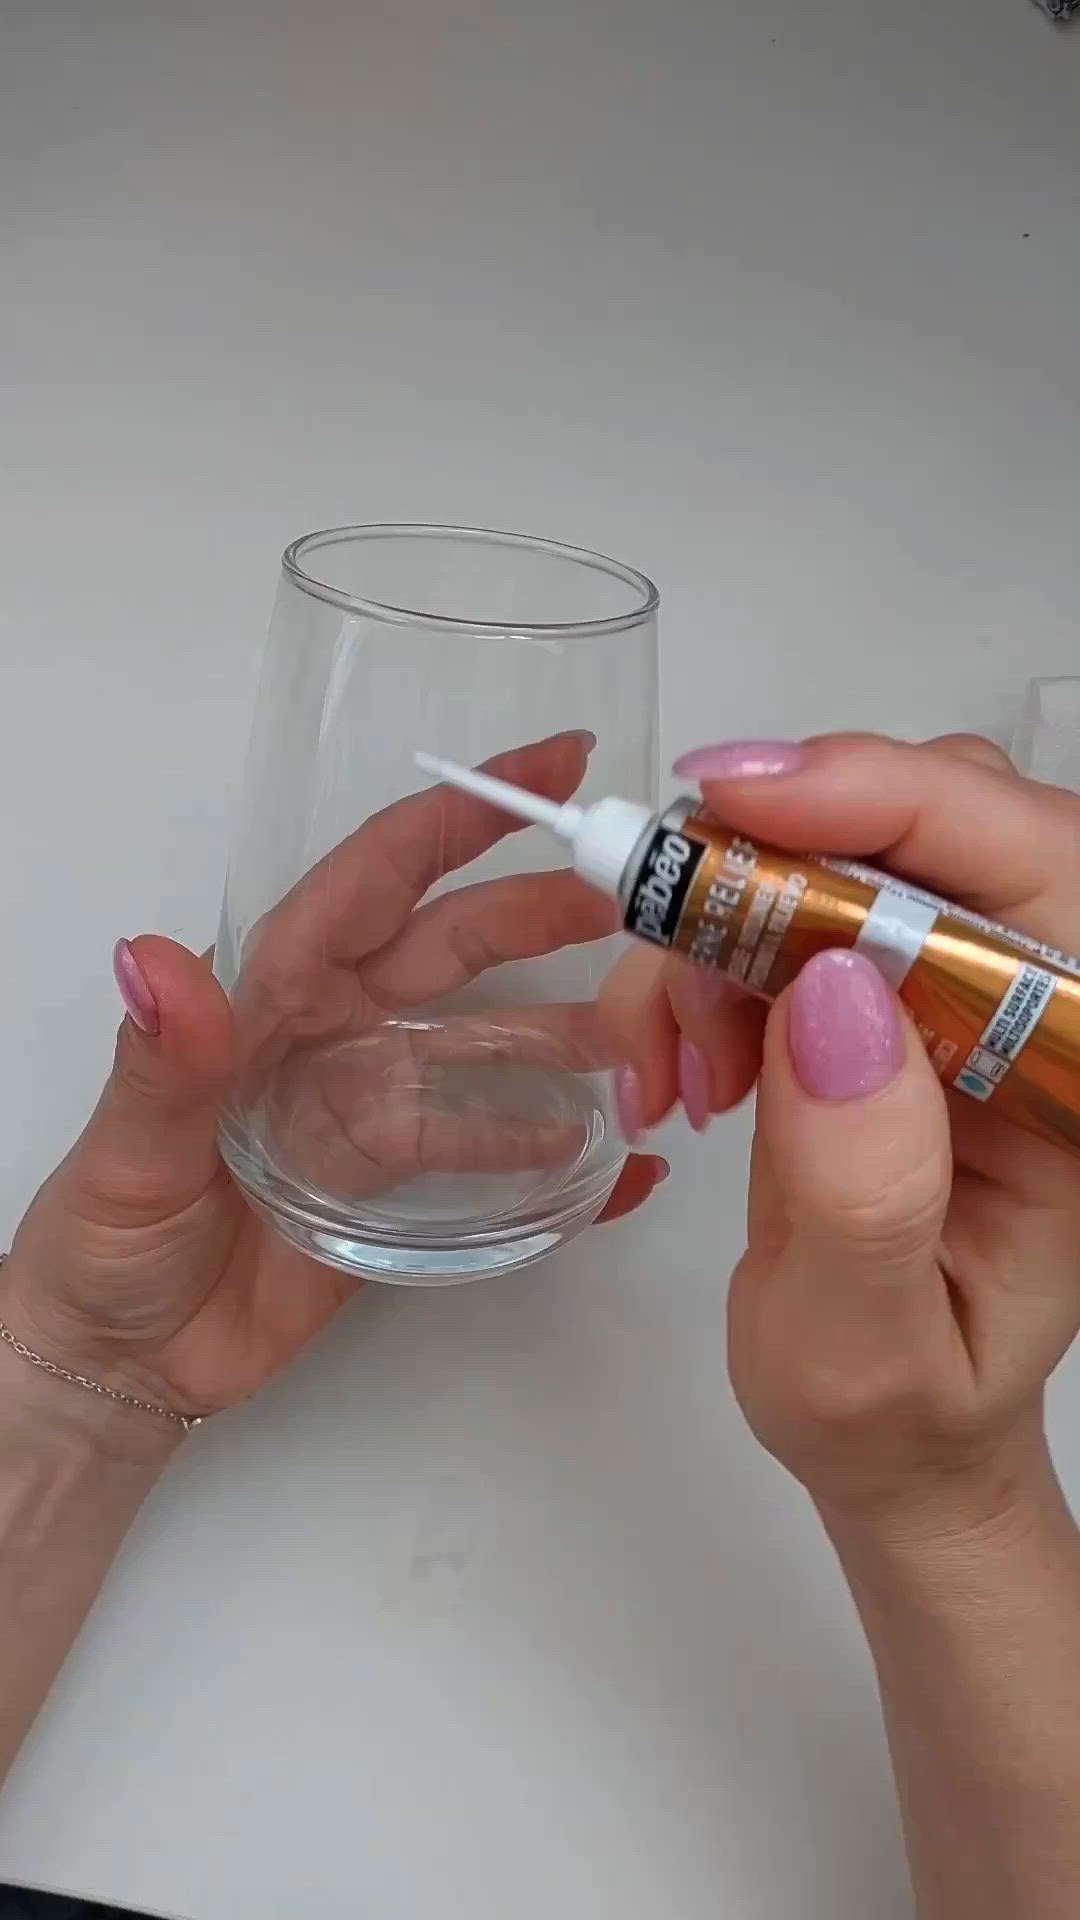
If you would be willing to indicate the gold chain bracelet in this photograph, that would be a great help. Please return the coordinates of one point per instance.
(185, 1420)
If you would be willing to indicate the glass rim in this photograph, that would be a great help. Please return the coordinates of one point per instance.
(294, 568)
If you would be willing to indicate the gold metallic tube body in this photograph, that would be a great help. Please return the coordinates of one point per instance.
(999, 1013)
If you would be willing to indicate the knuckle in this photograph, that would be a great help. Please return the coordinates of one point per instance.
(849, 1398)
(890, 1225)
(974, 747)
(889, 1215)
(851, 741)
(471, 947)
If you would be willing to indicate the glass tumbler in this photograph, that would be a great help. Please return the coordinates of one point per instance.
(422, 1090)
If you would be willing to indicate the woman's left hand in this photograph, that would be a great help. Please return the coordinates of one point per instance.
(140, 1263)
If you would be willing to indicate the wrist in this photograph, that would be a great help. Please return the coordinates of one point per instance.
(58, 1348)
(951, 1540)
(74, 1471)
(54, 1419)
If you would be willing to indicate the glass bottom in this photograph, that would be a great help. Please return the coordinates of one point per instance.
(430, 1180)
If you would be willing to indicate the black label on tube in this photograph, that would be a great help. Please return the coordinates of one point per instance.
(661, 884)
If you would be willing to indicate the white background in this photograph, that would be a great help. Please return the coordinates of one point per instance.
(491, 1609)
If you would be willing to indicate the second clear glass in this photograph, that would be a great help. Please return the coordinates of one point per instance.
(423, 1091)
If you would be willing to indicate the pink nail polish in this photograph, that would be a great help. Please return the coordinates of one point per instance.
(740, 760)
(695, 1084)
(844, 1028)
(630, 1103)
(139, 1002)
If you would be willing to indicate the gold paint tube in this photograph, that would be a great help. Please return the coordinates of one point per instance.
(998, 1012)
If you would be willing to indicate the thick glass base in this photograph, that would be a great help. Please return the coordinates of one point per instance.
(437, 1230)
(423, 1266)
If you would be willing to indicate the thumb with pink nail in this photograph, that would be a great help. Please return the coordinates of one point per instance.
(851, 1350)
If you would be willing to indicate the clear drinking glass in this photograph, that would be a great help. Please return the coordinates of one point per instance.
(422, 1091)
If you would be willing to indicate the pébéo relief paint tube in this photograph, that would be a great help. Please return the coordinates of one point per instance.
(998, 1012)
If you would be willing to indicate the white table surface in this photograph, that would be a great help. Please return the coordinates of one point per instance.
(491, 1611)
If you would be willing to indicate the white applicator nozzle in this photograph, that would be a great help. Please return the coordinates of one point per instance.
(564, 822)
(603, 837)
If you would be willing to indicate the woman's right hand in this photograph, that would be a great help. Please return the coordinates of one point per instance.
(912, 1273)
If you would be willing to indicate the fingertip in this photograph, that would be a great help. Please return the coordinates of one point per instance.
(636, 1015)
(695, 1084)
(191, 1017)
(853, 1116)
(629, 1102)
(563, 760)
(639, 1179)
(843, 1059)
(721, 1029)
(846, 1032)
(134, 989)
(164, 960)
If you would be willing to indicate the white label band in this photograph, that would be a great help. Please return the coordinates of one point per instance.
(893, 933)
(1019, 1013)
(871, 877)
